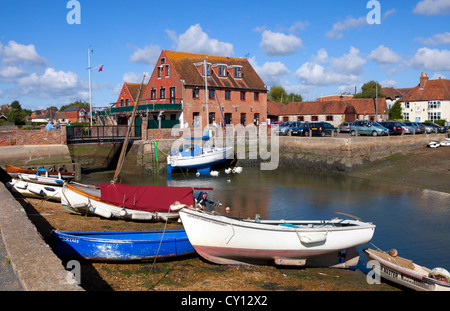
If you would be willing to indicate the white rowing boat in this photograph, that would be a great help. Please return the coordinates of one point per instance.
(226, 240)
(406, 273)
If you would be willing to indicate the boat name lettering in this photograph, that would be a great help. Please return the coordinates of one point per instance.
(71, 240)
(403, 277)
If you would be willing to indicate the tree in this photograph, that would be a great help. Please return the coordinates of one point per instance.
(396, 111)
(16, 115)
(76, 103)
(278, 93)
(369, 90)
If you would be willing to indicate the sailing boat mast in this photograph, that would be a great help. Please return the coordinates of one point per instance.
(205, 68)
(90, 92)
(125, 143)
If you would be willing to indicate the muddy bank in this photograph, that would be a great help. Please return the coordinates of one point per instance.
(425, 168)
(190, 273)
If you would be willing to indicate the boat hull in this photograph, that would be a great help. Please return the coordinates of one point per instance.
(232, 241)
(202, 161)
(122, 246)
(414, 277)
(12, 170)
(33, 190)
(82, 199)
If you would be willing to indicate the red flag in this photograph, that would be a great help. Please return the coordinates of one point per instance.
(100, 69)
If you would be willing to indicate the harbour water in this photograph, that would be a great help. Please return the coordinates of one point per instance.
(411, 220)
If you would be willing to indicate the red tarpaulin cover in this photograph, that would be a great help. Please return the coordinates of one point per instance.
(146, 198)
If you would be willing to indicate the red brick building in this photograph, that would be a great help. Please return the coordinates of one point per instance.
(179, 78)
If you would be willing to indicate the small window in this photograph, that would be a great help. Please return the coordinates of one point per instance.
(162, 93)
(222, 71)
(127, 102)
(242, 95)
(314, 118)
(153, 94)
(300, 118)
(195, 93)
(237, 72)
(159, 71)
(329, 118)
(256, 96)
(163, 61)
(167, 70)
(208, 69)
(211, 93)
(227, 94)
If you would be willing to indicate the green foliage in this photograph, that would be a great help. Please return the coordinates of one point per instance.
(369, 90)
(16, 115)
(76, 103)
(396, 111)
(277, 93)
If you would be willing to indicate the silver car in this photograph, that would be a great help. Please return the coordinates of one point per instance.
(285, 128)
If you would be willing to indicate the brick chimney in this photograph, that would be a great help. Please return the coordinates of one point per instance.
(423, 80)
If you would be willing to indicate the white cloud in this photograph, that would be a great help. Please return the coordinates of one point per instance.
(348, 23)
(389, 83)
(389, 12)
(438, 76)
(440, 38)
(433, 7)
(197, 41)
(16, 53)
(351, 63)
(299, 25)
(384, 55)
(270, 72)
(431, 59)
(147, 55)
(344, 71)
(50, 84)
(11, 72)
(134, 77)
(279, 44)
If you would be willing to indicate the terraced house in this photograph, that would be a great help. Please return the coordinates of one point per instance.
(175, 92)
(429, 100)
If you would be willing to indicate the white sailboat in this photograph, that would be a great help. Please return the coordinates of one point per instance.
(195, 156)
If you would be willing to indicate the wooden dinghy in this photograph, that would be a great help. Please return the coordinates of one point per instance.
(122, 246)
(406, 273)
(13, 171)
(226, 240)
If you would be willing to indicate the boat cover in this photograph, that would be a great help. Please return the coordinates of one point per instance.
(146, 198)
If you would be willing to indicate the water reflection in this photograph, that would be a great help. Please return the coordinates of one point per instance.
(411, 220)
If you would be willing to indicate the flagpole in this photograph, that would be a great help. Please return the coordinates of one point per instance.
(90, 94)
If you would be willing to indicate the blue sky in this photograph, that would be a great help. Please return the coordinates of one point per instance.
(313, 48)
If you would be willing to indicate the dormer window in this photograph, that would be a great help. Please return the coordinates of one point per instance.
(222, 70)
(237, 72)
(208, 69)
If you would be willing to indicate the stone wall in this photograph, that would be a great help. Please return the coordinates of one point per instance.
(33, 137)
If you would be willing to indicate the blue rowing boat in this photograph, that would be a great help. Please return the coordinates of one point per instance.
(122, 246)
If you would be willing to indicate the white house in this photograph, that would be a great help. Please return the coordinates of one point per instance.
(430, 100)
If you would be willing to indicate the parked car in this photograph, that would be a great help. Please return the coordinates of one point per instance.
(285, 128)
(315, 128)
(433, 128)
(394, 127)
(417, 128)
(367, 128)
(345, 127)
(301, 130)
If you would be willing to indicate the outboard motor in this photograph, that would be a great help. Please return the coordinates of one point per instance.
(202, 200)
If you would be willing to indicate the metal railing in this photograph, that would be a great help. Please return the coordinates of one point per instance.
(112, 133)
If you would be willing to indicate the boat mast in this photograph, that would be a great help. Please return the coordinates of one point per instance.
(125, 143)
(206, 93)
(90, 94)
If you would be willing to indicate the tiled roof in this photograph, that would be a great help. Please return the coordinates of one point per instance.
(183, 63)
(133, 88)
(438, 89)
(274, 108)
(361, 105)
